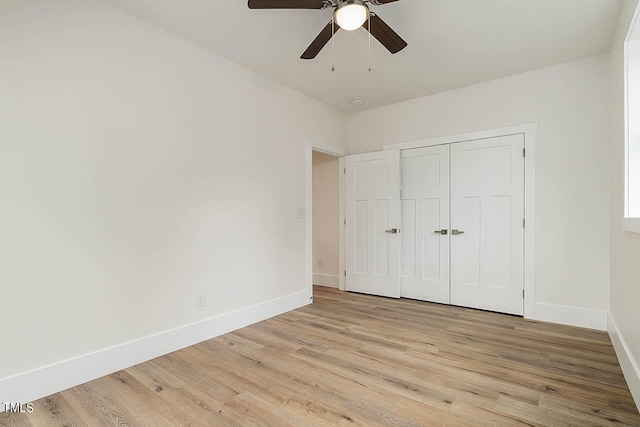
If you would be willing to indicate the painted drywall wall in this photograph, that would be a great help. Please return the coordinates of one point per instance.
(625, 245)
(570, 103)
(137, 170)
(325, 220)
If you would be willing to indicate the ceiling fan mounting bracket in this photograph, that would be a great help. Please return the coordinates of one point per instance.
(336, 3)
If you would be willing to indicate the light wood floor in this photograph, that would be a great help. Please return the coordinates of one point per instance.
(352, 359)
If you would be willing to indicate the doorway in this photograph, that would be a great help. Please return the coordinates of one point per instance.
(337, 152)
(325, 219)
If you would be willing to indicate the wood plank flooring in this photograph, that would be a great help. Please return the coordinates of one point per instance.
(351, 359)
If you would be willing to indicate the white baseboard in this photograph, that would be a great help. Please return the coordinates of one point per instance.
(627, 363)
(573, 316)
(43, 381)
(326, 280)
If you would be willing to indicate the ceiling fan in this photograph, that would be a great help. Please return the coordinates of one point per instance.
(348, 15)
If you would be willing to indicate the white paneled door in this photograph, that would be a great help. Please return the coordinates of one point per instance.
(424, 272)
(487, 236)
(373, 223)
(461, 213)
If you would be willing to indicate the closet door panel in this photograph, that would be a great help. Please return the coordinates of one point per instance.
(487, 235)
(425, 212)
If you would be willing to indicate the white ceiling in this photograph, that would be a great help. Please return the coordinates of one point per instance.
(452, 43)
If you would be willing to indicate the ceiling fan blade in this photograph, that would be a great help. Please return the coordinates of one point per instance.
(316, 45)
(385, 35)
(286, 4)
(386, 1)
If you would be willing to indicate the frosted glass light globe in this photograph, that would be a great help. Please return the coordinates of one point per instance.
(351, 16)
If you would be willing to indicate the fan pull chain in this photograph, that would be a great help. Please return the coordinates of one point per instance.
(333, 45)
(369, 18)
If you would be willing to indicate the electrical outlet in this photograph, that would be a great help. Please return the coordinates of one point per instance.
(201, 299)
(319, 262)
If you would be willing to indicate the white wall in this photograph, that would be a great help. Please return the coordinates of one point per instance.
(325, 220)
(570, 103)
(625, 245)
(136, 170)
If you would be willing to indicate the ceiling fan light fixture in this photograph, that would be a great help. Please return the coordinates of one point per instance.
(351, 14)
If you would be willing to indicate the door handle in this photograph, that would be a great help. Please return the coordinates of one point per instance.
(455, 232)
(393, 231)
(444, 231)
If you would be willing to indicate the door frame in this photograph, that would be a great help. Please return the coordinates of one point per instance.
(310, 147)
(529, 133)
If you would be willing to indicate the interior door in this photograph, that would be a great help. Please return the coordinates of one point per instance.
(373, 223)
(424, 272)
(487, 236)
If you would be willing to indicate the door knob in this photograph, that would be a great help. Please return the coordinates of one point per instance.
(393, 231)
(455, 232)
(443, 231)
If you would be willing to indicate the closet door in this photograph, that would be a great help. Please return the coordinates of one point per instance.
(373, 223)
(424, 272)
(487, 236)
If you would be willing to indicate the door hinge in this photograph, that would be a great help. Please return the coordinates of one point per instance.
(523, 223)
(345, 171)
(345, 273)
(524, 152)
(345, 222)
(523, 294)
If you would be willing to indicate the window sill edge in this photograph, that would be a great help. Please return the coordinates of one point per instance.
(631, 224)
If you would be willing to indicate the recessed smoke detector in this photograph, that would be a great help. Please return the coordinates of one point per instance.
(357, 101)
